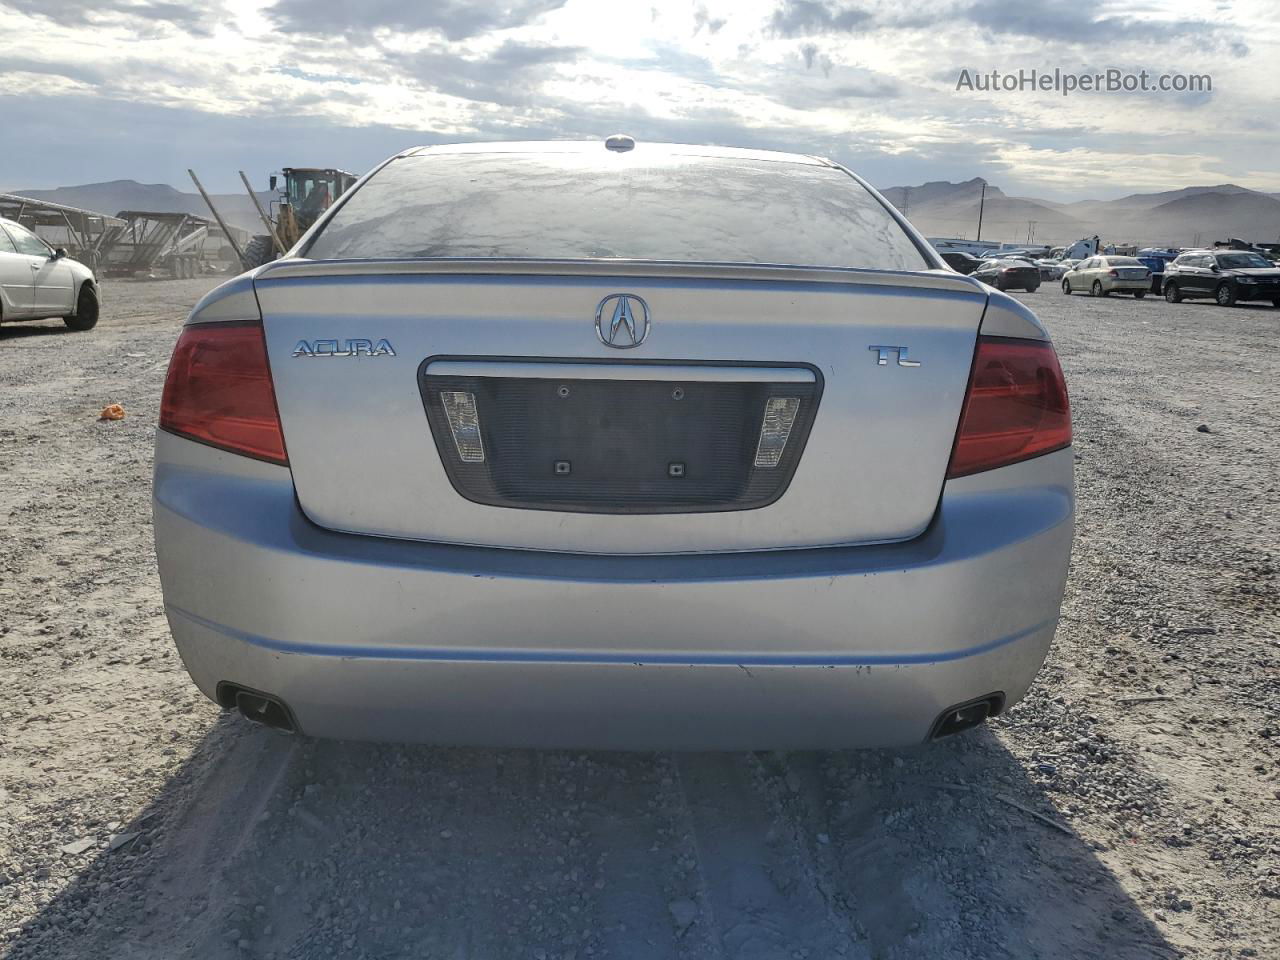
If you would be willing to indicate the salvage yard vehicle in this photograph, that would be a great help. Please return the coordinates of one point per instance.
(1103, 276)
(1052, 270)
(1227, 276)
(1155, 259)
(38, 282)
(961, 262)
(1009, 274)
(623, 445)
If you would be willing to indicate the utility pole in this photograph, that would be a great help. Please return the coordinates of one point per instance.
(1031, 231)
(906, 200)
(982, 202)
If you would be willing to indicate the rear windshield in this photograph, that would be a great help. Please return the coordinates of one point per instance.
(578, 206)
(1124, 261)
(1244, 261)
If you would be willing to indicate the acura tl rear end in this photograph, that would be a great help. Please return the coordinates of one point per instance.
(613, 445)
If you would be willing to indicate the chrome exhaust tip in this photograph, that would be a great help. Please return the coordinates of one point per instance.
(257, 707)
(965, 716)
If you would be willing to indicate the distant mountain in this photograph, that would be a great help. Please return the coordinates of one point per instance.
(1155, 199)
(939, 192)
(1170, 218)
(942, 209)
(116, 195)
(1248, 215)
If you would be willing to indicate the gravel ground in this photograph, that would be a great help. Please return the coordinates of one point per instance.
(1129, 808)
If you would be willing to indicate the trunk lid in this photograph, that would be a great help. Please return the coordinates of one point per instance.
(585, 448)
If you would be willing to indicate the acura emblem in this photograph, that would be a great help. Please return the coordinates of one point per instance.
(343, 348)
(622, 321)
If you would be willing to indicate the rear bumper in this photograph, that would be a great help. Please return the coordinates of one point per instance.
(1127, 286)
(369, 638)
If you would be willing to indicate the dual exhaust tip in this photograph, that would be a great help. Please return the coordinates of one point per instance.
(256, 706)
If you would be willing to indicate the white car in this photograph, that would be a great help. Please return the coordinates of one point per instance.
(37, 281)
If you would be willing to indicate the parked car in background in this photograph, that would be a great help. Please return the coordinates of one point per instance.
(1103, 276)
(1009, 274)
(38, 282)
(1156, 259)
(475, 466)
(1225, 275)
(1051, 270)
(961, 262)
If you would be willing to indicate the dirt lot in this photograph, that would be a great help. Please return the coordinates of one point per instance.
(1129, 808)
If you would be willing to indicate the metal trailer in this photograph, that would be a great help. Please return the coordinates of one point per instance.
(221, 245)
(84, 234)
(147, 241)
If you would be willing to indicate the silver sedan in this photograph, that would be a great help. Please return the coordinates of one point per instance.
(1104, 275)
(613, 445)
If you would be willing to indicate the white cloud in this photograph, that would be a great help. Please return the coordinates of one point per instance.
(866, 82)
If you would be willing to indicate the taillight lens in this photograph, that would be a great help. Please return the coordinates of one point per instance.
(218, 391)
(1016, 406)
(1114, 273)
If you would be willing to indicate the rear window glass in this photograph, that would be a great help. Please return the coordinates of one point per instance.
(1124, 261)
(1244, 261)
(582, 207)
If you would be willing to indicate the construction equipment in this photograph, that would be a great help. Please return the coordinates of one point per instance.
(306, 193)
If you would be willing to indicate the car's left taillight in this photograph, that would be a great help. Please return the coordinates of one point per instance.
(218, 391)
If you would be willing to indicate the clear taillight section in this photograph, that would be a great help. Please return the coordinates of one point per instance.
(1016, 406)
(775, 430)
(218, 391)
(464, 424)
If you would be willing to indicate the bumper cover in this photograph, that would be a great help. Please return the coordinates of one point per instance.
(369, 638)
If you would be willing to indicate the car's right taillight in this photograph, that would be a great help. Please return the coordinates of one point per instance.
(1016, 406)
(218, 391)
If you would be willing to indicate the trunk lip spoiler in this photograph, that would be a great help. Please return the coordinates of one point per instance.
(637, 269)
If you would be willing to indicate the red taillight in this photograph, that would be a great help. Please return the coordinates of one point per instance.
(218, 391)
(1114, 273)
(1016, 406)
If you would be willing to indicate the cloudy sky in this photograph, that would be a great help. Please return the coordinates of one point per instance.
(96, 90)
